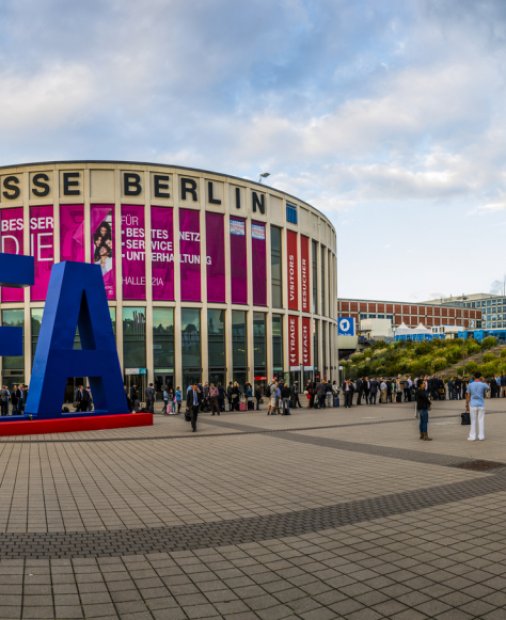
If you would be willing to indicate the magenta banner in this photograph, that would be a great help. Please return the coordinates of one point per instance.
(162, 253)
(215, 259)
(72, 233)
(238, 264)
(259, 262)
(11, 226)
(133, 252)
(189, 254)
(102, 248)
(41, 248)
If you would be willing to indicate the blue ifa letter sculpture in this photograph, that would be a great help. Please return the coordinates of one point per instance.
(75, 299)
(14, 271)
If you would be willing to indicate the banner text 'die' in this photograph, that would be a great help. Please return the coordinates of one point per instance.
(76, 299)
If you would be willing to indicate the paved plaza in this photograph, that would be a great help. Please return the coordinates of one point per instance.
(338, 513)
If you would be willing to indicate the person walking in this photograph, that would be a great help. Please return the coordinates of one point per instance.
(213, 399)
(150, 398)
(193, 400)
(423, 406)
(178, 397)
(475, 404)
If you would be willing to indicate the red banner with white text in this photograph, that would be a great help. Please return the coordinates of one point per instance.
(293, 342)
(292, 270)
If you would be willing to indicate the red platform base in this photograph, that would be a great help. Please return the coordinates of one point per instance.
(91, 422)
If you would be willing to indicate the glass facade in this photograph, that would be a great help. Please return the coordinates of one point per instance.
(13, 365)
(314, 276)
(216, 346)
(259, 345)
(239, 347)
(191, 357)
(163, 347)
(276, 268)
(134, 338)
(277, 345)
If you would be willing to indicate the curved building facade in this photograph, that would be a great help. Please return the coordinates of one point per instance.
(209, 277)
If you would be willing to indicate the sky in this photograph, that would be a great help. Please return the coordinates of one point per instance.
(388, 116)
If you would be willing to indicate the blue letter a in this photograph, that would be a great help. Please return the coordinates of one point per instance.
(75, 298)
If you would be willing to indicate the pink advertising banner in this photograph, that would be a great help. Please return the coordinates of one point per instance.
(133, 252)
(189, 254)
(72, 233)
(215, 259)
(11, 242)
(238, 261)
(162, 253)
(259, 261)
(102, 244)
(41, 248)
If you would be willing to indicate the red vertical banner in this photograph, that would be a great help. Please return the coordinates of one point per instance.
(304, 273)
(293, 342)
(162, 253)
(292, 270)
(72, 233)
(11, 242)
(41, 248)
(306, 342)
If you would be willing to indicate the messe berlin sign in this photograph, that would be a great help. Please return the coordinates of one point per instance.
(76, 300)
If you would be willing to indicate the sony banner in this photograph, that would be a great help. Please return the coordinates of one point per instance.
(11, 242)
(238, 261)
(133, 252)
(215, 250)
(293, 342)
(189, 254)
(41, 248)
(72, 233)
(259, 262)
(102, 245)
(162, 253)
(292, 270)
(304, 273)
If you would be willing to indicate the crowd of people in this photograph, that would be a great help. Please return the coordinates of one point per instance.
(13, 401)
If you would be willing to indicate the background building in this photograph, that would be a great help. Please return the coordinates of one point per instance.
(372, 319)
(492, 307)
(208, 276)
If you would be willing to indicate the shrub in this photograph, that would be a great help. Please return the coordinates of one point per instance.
(488, 342)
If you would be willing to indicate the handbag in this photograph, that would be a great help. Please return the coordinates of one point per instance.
(187, 415)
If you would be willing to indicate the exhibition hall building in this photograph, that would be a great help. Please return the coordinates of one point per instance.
(209, 277)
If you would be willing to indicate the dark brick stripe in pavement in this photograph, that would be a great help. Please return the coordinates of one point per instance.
(239, 531)
(417, 456)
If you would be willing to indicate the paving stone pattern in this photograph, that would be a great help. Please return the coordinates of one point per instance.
(315, 516)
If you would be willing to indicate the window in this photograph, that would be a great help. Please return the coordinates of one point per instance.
(134, 337)
(277, 344)
(291, 213)
(314, 277)
(13, 365)
(260, 354)
(276, 270)
(216, 340)
(239, 346)
(190, 344)
(163, 339)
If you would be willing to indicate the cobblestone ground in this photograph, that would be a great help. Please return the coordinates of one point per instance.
(338, 513)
